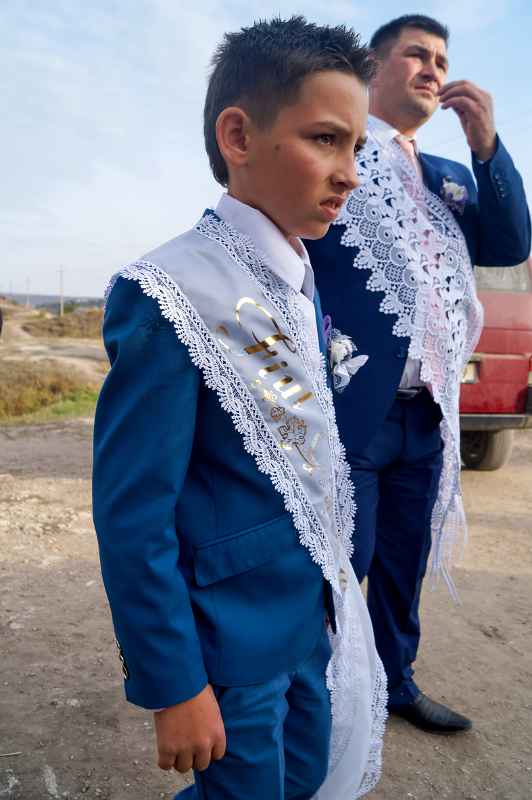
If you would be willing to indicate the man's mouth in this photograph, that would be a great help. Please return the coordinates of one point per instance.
(426, 89)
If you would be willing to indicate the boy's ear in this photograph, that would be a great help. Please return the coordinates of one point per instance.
(233, 135)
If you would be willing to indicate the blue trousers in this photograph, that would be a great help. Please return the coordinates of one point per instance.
(278, 736)
(396, 480)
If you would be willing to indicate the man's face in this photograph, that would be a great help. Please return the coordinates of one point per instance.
(410, 76)
(301, 169)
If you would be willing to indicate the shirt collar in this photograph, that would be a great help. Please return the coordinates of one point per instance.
(291, 266)
(383, 131)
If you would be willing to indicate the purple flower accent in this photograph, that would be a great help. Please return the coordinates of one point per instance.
(454, 195)
(327, 329)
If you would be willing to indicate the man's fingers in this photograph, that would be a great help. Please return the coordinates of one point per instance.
(462, 105)
(460, 85)
(477, 97)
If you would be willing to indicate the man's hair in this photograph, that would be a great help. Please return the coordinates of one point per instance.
(261, 68)
(385, 36)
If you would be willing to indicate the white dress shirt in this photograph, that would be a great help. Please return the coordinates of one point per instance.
(288, 260)
(385, 133)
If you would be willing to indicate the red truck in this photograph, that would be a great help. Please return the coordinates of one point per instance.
(496, 391)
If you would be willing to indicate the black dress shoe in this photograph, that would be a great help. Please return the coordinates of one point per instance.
(434, 717)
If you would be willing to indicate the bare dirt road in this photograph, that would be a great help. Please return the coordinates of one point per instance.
(85, 356)
(61, 704)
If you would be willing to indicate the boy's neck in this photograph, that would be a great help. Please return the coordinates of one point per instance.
(243, 198)
(293, 241)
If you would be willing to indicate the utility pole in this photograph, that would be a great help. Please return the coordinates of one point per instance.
(61, 293)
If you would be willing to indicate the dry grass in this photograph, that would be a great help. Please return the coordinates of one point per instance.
(8, 309)
(79, 324)
(26, 388)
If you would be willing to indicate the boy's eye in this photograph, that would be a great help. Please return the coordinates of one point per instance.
(325, 138)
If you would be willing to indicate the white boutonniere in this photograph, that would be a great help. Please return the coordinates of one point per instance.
(343, 364)
(454, 195)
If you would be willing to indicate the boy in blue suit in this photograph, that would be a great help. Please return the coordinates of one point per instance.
(396, 274)
(222, 502)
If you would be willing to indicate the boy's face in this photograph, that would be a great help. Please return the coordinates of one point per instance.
(302, 168)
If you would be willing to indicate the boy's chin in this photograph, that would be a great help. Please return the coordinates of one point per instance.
(315, 230)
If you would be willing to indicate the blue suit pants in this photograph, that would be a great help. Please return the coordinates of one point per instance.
(396, 480)
(278, 736)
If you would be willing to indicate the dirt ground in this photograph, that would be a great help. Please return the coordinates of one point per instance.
(61, 705)
(85, 356)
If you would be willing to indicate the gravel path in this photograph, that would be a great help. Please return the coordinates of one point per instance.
(61, 705)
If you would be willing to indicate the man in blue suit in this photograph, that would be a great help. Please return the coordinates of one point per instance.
(396, 273)
(222, 501)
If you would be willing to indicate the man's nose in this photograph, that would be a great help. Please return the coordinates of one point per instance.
(430, 71)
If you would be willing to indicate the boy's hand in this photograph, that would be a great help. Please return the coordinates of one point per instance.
(190, 734)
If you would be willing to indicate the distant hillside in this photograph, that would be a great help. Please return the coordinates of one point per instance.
(51, 301)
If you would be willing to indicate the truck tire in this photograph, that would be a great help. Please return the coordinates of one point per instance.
(486, 450)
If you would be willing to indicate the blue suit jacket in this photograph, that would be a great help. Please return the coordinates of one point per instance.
(496, 226)
(202, 565)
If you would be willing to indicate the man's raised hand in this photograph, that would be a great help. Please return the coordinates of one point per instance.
(190, 734)
(474, 108)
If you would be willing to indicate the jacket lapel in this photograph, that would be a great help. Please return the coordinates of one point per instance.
(431, 177)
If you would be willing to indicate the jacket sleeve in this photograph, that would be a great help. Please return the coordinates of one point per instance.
(504, 219)
(143, 437)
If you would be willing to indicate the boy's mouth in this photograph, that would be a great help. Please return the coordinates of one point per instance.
(332, 206)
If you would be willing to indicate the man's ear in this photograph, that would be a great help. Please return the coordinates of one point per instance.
(233, 135)
(376, 66)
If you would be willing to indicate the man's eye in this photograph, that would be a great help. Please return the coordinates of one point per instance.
(325, 138)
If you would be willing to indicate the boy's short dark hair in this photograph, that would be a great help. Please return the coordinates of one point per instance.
(385, 36)
(261, 69)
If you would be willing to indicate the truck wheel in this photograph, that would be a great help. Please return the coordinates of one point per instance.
(486, 449)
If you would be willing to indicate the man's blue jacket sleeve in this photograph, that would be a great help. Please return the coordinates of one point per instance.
(503, 216)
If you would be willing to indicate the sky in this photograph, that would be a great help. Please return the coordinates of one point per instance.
(101, 147)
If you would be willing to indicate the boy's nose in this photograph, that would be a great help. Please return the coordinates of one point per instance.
(346, 174)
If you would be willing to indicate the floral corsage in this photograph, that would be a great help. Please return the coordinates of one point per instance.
(454, 195)
(343, 364)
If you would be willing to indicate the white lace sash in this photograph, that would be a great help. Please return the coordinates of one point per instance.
(416, 255)
(244, 332)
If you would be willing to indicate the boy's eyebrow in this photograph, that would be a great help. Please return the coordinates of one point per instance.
(336, 127)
